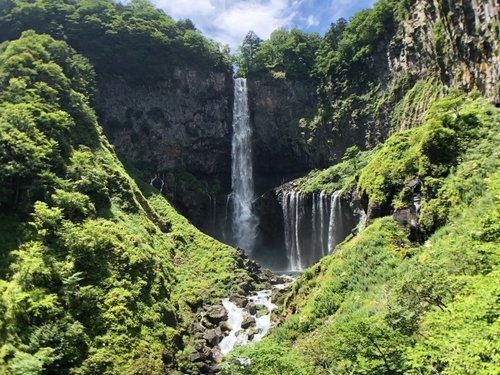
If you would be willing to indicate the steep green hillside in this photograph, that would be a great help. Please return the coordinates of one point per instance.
(94, 277)
(135, 40)
(381, 304)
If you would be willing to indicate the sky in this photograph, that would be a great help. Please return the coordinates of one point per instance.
(228, 21)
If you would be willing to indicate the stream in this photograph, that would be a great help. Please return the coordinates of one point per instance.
(252, 322)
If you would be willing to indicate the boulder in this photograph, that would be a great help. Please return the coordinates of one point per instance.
(261, 311)
(238, 300)
(213, 336)
(224, 327)
(216, 314)
(196, 357)
(252, 308)
(245, 286)
(247, 322)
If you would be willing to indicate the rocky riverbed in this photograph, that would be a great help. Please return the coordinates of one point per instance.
(238, 320)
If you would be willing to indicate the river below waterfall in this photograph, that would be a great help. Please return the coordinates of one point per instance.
(251, 322)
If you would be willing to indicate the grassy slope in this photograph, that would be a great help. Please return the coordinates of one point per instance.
(382, 305)
(339, 176)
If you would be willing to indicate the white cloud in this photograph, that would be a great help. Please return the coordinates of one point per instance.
(228, 21)
(311, 21)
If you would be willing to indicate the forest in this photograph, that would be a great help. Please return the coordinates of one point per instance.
(119, 235)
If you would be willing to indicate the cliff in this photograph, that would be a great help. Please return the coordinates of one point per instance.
(177, 131)
(276, 106)
(457, 40)
(182, 121)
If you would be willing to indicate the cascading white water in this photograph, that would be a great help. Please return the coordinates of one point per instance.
(323, 207)
(362, 221)
(314, 225)
(244, 221)
(335, 214)
(293, 212)
(237, 335)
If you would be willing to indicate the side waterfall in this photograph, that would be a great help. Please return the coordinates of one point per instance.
(244, 221)
(314, 224)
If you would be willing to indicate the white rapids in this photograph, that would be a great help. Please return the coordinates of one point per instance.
(236, 315)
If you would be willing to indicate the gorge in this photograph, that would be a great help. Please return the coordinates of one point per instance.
(312, 204)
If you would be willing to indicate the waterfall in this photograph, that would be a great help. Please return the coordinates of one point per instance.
(362, 221)
(335, 220)
(244, 221)
(293, 212)
(322, 215)
(313, 225)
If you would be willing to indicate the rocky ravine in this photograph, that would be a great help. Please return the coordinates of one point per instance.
(238, 319)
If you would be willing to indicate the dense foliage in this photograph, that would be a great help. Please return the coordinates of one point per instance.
(135, 40)
(93, 277)
(381, 304)
(341, 176)
(100, 275)
(286, 52)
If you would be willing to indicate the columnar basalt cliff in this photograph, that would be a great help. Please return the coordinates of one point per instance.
(181, 122)
(458, 40)
(276, 106)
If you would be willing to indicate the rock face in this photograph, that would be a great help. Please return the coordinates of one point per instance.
(276, 105)
(451, 38)
(183, 122)
(178, 133)
(217, 314)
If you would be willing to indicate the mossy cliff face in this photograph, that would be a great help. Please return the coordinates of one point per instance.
(458, 40)
(177, 131)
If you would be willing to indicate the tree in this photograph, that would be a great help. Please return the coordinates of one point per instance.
(247, 62)
(334, 33)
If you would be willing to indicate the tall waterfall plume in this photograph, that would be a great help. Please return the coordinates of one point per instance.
(335, 220)
(244, 221)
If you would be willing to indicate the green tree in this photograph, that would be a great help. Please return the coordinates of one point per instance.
(247, 60)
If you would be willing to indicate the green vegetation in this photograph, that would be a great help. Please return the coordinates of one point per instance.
(455, 128)
(412, 109)
(100, 275)
(135, 40)
(94, 277)
(380, 304)
(341, 176)
(286, 53)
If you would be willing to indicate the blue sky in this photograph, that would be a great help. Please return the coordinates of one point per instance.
(227, 21)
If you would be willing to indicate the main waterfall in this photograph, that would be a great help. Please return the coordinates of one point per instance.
(244, 221)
